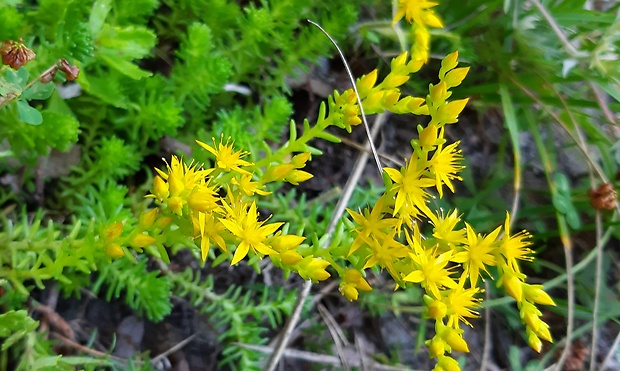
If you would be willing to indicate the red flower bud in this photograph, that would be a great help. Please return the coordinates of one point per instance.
(15, 54)
(72, 72)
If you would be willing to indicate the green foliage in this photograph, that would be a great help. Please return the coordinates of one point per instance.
(145, 292)
(14, 325)
(240, 314)
(194, 69)
(35, 252)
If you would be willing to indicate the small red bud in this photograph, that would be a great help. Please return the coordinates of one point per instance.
(603, 197)
(49, 76)
(72, 72)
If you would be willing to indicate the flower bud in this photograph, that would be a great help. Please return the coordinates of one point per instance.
(163, 222)
(142, 240)
(71, 72)
(437, 309)
(113, 231)
(543, 332)
(438, 93)
(160, 188)
(16, 54)
(448, 364)
(455, 341)
(448, 63)
(428, 136)
(536, 294)
(436, 346)
(366, 83)
(390, 98)
(298, 176)
(175, 184)
(392, 81)
(513, 286)
(534, 341)
(148, 218)
(399, 61)
(201, 199)
(49, 75)
(313, 269)
(114, 250)
(448, 113)
(290, 257)
(349, 292)
(300, 159)
(456, 76)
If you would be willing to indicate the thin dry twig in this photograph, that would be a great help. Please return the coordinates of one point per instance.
(597, 289)
(611, 353)
(486, 350)
(556, 29)
(323, 358)
(599, 234)
(570, 288)
(81, 348)
(56, 320)
(173, 349)
(600, 99)
(340, 341)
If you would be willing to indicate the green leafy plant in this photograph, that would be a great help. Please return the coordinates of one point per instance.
(156, 75)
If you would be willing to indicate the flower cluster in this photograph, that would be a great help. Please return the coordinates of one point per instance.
(216, 206)
(450, 263)
(421, 16)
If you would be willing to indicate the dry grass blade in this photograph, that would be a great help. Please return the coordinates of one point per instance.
(340, 341)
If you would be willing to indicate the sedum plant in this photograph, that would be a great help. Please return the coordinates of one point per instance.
(216, 207)
(213, 207)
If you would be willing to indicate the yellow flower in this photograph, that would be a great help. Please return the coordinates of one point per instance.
(351, 282)
(385, 251)
(311, 268)
(225, 157)
(173, 187)
(247, 186)
(203, 199)
(444, 228)
(445, 163)
(370, 223)
(478, 253)
(461, 303)
(515, 247)
(409, 183)
(285, 246)
(430, 271)
(252, 234)
(210, 230)
(418, 11)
